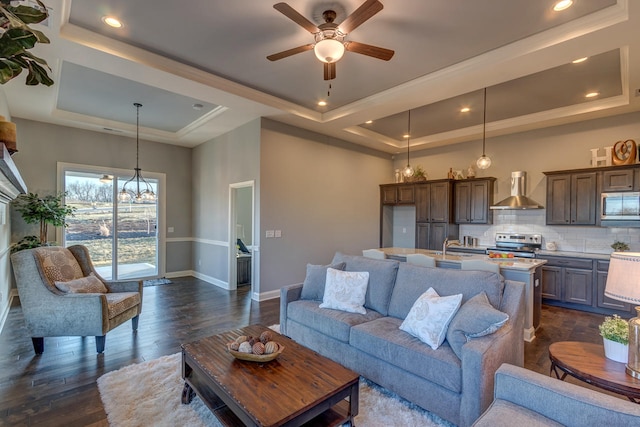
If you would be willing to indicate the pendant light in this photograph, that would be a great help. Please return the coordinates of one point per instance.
(408, 170)
(127, 195)
(483, 161)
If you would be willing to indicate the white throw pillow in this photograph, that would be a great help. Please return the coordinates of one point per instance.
(430, 316)
(345, 290)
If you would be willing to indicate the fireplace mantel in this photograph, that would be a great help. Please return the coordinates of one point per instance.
(11, 183)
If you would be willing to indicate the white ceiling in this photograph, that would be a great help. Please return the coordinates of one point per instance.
(171, 55)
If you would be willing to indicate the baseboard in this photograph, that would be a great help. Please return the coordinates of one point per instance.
(5, 309)
(266, 295)
(212, 280)
(174, 274)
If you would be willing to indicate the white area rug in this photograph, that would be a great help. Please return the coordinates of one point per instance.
(149, 394)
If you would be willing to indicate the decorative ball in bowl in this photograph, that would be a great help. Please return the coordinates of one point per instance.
(255, 349)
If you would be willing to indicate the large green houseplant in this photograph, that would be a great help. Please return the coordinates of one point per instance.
(17, 38)
(45, 211)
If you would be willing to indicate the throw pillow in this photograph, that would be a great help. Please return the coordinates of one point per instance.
(429, 317)
(313, 285)
(476, 318)
(58, 264)
(85, 285)
(345, 290)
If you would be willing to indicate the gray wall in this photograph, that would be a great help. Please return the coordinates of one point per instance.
(41, 146)
(230, 158)
(323, 196)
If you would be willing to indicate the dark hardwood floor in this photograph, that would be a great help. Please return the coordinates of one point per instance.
(59, 387)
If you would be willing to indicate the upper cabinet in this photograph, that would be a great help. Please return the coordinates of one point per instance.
(473, 198)
(572, 198)
(618, 180)
(397, 194)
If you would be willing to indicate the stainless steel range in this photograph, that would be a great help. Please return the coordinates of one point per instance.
(517, 245)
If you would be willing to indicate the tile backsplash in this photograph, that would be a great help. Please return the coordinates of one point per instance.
(568, 238)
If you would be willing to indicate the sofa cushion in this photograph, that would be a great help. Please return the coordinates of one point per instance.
(333, 323)
(84, 285)
(119, 302)
(476, 318)
(382, 276)
(314, 281)
(57, 264)
(382, 339)
(345, 290)
(430, 316)
(413, 280)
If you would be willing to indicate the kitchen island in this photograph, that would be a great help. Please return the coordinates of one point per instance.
(526, 270)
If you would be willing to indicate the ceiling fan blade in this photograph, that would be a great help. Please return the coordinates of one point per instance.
(369, 50)
(360, 15)
(287, 53)
(329, 71)
(292, 14)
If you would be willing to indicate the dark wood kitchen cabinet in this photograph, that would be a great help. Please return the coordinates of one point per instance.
(397, 194)
(618, 180)
(571, 198)
(434, 205)
(568, 280)
(472, 201)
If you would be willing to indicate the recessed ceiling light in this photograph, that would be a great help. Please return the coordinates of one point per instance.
(322, 103)
(406, 135)
(112, 21)
(592, 94)
(368, 122)
(579, 60)
(562, 5)
(465, 110)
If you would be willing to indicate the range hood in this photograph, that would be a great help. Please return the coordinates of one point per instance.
(517, 200)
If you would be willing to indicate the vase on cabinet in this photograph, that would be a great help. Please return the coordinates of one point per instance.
(616, 351)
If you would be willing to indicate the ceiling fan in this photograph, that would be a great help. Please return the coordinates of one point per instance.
(329, 38)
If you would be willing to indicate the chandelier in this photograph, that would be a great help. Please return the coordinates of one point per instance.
(408, 170)
(147, 195)
(484, 161)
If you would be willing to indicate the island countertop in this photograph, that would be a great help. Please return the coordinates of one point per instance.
(456, 258)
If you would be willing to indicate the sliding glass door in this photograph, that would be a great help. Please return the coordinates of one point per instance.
(122, 238)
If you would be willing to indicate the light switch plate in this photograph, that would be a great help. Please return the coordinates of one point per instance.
(278, 233)
(269, 233)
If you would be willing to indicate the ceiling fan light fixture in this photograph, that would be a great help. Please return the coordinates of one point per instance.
(329, 50)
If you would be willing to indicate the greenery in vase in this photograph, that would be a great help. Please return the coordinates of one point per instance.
(615, 329)
(419, 174)
(43, 211)
(16, 38)
(620, 246)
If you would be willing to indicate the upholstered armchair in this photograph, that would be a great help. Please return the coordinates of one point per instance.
(61, 294)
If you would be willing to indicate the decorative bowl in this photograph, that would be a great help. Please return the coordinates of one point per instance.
(250, 357)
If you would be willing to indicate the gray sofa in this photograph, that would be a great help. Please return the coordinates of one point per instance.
(457, 389)
(527, 398)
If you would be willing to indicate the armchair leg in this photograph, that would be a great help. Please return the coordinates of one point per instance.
(38, 344)
(134, 322)
(100, 343)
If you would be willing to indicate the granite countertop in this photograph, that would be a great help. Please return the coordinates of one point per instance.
(457, 258)
(575, 254)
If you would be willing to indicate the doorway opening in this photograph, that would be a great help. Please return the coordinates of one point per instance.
(242, 253)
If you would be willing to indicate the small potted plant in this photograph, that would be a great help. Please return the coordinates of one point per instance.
(619, 246)
(615, 334)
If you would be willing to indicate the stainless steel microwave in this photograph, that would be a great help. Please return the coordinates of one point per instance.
(620, 206)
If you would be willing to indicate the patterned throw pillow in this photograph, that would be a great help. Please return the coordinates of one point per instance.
(429, 317)
(85, 285)
(345, 290)
(58, 264)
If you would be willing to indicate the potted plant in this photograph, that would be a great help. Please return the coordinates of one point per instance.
(615, 334)
(16, 38)
(619, 246)
(419, 174)
(43, 211)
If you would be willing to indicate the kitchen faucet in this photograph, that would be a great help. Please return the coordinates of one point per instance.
(448, 243)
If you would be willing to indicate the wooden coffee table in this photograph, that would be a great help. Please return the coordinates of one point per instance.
(298, 387)
(586, 362)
